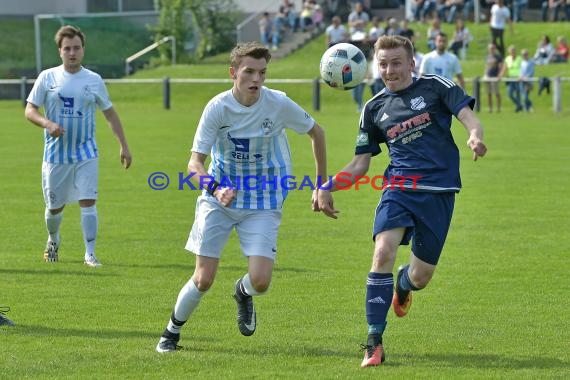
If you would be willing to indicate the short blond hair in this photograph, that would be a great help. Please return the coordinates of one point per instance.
(395, 42)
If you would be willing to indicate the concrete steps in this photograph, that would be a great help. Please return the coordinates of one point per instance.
(292, 42)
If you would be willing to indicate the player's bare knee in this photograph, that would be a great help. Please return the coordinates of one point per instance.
(260, 283)
(55, 211)
(383, 258)
(203, 283)
(420, 279)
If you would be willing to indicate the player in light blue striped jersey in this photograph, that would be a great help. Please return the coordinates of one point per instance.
(243, 129)
(70, 95)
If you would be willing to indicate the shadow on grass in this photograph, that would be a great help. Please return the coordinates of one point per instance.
(40, 331)
(277, 269)
(467, 361)
(264, 351)
(60, 271)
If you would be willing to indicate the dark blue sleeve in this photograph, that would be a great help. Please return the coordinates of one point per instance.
(455, 98)
(369, 137)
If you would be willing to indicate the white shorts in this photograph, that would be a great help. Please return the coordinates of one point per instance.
(213, 223)
(67, 183)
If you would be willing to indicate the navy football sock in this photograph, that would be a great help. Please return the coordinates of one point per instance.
(379, 291)
(405, 283)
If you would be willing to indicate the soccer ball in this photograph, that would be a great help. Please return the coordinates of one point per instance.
(343, 66)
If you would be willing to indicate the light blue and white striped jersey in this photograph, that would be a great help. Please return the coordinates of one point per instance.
(446, 65)
(70, 100)
(249, 147)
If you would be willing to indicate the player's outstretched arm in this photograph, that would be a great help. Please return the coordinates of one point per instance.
(343, 180)
(115, 123)
(475, 130)
(318, 140)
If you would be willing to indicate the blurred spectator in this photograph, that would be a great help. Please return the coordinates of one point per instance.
(266, 29)
(335, 32)
(393, 29)
(555, 6)
(441, 62)
(306, 16)
(544, 51)
(468, 8)
(270, 30)
(500, 17)
(357, 21)
(543, 85)
(453, 7)
(447, 9)
(518, 6)
(461, 39)
(493, 67)
(292, 15)
(561, 53)
(432, 32)
(406, 31)
(377, 83)
(357, 94)
(375, 31)
(280, 22)
(423, 8)
(318, 16)
(525, 80)
(512, 70)
(418, 59)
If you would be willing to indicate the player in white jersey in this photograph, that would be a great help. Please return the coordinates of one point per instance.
(442, 62)
(243, 129)
(70, 95)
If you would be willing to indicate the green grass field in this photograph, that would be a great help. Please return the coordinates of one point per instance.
(496, 308)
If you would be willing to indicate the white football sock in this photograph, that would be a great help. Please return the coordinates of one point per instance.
(89, 226)
(52, 224)
(248, 287)
(188, 300)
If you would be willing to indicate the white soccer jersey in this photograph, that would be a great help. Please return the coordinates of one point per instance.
(499, 16)
(337, 34)
(446, 64)
(249, 147)
(70, 100)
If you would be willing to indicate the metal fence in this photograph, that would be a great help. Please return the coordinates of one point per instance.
(24, 85)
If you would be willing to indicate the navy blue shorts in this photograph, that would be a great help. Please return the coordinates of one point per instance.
(426, 217)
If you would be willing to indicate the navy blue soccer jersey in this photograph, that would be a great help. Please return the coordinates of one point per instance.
(415, 124)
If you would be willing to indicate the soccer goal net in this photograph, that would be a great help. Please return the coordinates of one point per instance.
(110, 38)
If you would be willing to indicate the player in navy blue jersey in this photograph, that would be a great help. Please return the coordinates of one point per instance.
(412, 116)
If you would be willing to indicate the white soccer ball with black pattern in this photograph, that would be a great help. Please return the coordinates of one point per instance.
(343, 66)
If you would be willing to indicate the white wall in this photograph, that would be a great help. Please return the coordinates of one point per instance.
(32, 7)
(252, 6)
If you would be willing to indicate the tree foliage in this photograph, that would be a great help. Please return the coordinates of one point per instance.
(206, 25)
(217, 20)
(172, 21)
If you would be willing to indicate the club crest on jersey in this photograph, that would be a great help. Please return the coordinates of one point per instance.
(418, 103)
(267, 126)
(86, 90)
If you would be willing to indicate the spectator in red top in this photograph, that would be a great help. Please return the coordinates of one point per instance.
(561, 53)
